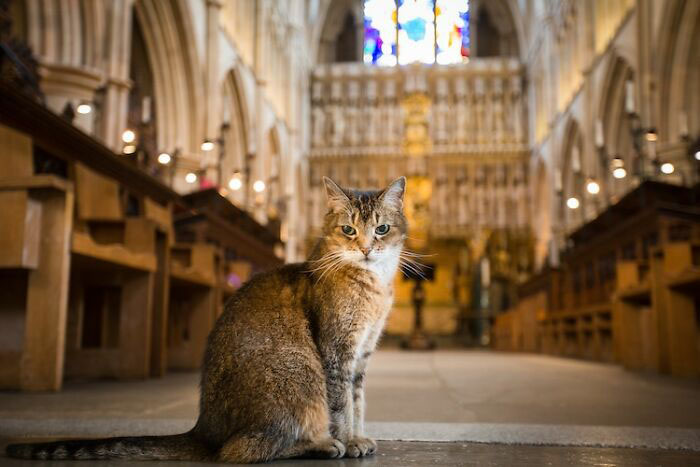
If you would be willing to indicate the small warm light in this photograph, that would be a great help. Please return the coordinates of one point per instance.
(207, 145)
(592, 187)
(572, 203)
(129, 149)
(164, 158)
(667, 168)
(259, 186)
(235, 183)
(651, 135)
(128, 136)
(84, 108)
(619, 173)
(191, 177)
(697, 156)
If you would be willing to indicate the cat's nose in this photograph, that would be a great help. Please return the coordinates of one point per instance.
(365, 250)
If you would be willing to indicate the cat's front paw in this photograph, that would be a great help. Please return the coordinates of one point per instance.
(334, 448)
(360, 447)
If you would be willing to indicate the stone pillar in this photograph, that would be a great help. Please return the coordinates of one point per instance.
(115, 106)
(212, 91)
(71, 85)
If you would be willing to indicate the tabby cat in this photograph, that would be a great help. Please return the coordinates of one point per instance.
(284, 369)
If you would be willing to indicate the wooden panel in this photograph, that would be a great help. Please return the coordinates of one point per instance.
(135, 326)
(20, 230)
(16, 151)
(161, 215)
(97, 197)
(161, 303)
(192, 315)
(10, 369)
(47, 296)
(117, 254)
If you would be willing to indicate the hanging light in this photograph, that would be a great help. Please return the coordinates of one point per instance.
(207, 145)
(618, 168)
(235, 183)
(129, 149)
(84, 108)
(128, 136)
(619, 173)
(259, 186)
(651, 135)
(191, 177)
(697, 155)
(592, 187)
(164, 158)
(667, 168)
(572, 203)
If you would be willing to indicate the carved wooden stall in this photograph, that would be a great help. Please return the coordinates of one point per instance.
(218, 247)
(628, 290)
(90, 219)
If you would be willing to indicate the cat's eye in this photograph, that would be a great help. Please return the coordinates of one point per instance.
(382, 229)
(348, 230)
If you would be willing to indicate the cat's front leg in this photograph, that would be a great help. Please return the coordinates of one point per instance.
(360, 445)
(339, 388)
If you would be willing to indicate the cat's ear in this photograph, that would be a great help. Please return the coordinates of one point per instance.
(336, 197)
(393, 194)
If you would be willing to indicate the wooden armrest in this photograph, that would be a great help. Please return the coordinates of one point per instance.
(36, 182)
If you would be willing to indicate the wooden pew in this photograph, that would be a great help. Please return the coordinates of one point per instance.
(676, 297)
(193, 303)
(218, 247)
(118, 282)
(116, 224)
(37, 214)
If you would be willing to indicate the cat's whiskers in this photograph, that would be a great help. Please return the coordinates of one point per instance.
(411, 264)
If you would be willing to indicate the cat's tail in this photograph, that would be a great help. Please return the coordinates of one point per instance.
(174, 447)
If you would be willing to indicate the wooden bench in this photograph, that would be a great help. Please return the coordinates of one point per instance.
(37, 215)
(119, 281)
(193, 303)
(103, 297)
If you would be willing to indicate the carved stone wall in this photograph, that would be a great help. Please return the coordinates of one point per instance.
(477, 156)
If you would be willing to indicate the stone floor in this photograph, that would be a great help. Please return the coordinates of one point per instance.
(419, 454)
(472, 407)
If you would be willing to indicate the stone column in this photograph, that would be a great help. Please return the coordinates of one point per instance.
(115, 104)
(212, 91)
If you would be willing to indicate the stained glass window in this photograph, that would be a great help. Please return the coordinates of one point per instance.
(416, 31)
(380, 32)
(409, 31)
(452, 39)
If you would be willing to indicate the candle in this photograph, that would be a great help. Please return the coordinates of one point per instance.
(146, 109)
(575, 160)
(629, 97)
(683, 124)
(599, 138)
(557, 180)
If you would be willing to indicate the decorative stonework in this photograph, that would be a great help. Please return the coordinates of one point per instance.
(466, 122)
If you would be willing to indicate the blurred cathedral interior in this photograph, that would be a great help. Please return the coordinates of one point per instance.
(157, 153)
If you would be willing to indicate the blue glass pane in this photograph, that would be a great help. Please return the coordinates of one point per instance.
(416, 23)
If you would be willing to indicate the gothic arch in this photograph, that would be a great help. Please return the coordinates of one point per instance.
(333, 23)
(506, 17)
(169, 37)
(678, 65)
(573, 180)
(615, 123)
(236, 137)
